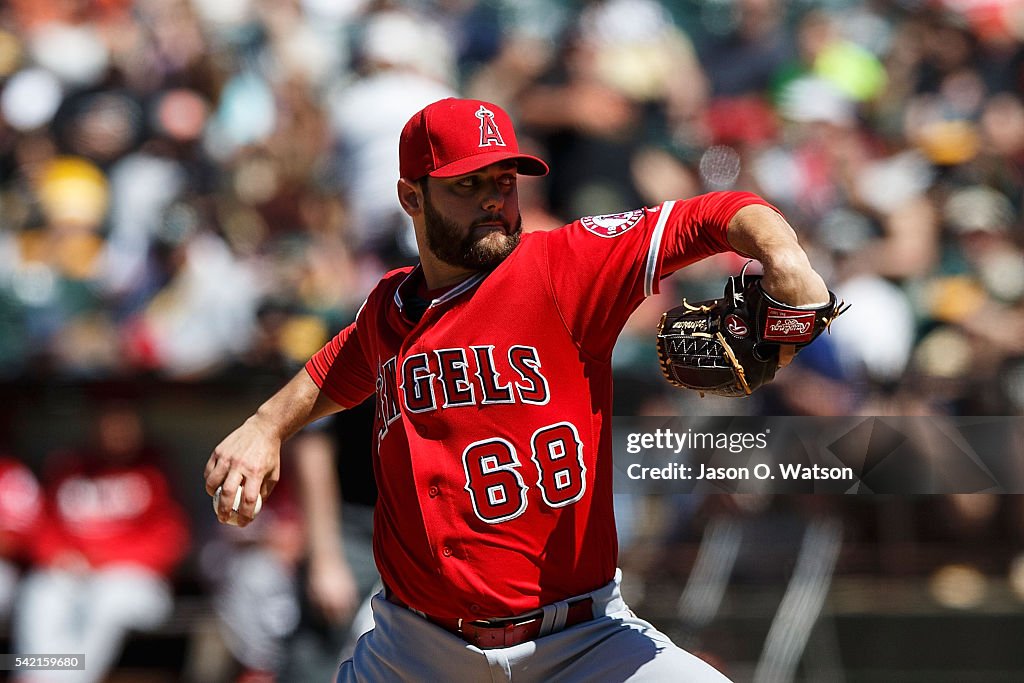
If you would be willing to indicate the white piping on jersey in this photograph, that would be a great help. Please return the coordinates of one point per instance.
(398, 299)
(460, 288)
(655, 248)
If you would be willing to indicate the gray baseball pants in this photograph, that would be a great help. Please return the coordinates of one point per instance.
(615, 646)
(62, 612)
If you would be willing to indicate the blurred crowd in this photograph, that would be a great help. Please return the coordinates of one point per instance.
(197, 189)
(98, 545)
(194, 187)
(98, 538)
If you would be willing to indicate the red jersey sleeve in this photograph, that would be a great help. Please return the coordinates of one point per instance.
(697, 229)
(341, 368)
(602, 267)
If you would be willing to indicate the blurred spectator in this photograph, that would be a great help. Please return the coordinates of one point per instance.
(747, 57)
(611, 96)
(21, 505)
(203, 315)
(112, 535)
(252, 573)
(335, 478)
(404, 63)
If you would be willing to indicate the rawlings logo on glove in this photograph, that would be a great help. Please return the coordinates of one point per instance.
(733, 345)
(788, 326)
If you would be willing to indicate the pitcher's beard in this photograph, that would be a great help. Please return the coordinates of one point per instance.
(474, 251)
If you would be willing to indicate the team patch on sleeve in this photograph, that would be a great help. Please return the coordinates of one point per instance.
(612, 224)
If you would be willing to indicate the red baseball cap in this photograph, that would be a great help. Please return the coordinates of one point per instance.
(454, 136)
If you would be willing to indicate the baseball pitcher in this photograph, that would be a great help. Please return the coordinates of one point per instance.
(491, 366)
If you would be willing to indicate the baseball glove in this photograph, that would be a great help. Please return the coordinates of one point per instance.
(733, 345)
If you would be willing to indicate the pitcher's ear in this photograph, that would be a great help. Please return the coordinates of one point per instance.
(410, 197)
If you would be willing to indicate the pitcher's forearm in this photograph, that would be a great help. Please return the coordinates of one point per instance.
(250, 456)
(293, 407)
(761, 233)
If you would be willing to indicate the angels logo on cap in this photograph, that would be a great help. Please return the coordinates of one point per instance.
(489, 133)
(452, 137)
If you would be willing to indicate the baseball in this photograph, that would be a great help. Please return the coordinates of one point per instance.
(233, 519)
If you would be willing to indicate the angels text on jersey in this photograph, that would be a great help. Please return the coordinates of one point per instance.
(457, 377)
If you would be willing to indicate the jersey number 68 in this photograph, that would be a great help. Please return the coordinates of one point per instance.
(495, 483)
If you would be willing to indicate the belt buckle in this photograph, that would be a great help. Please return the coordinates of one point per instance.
(500, 622)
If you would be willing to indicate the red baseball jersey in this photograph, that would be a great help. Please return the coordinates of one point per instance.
(493, 423)
(111, 514)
